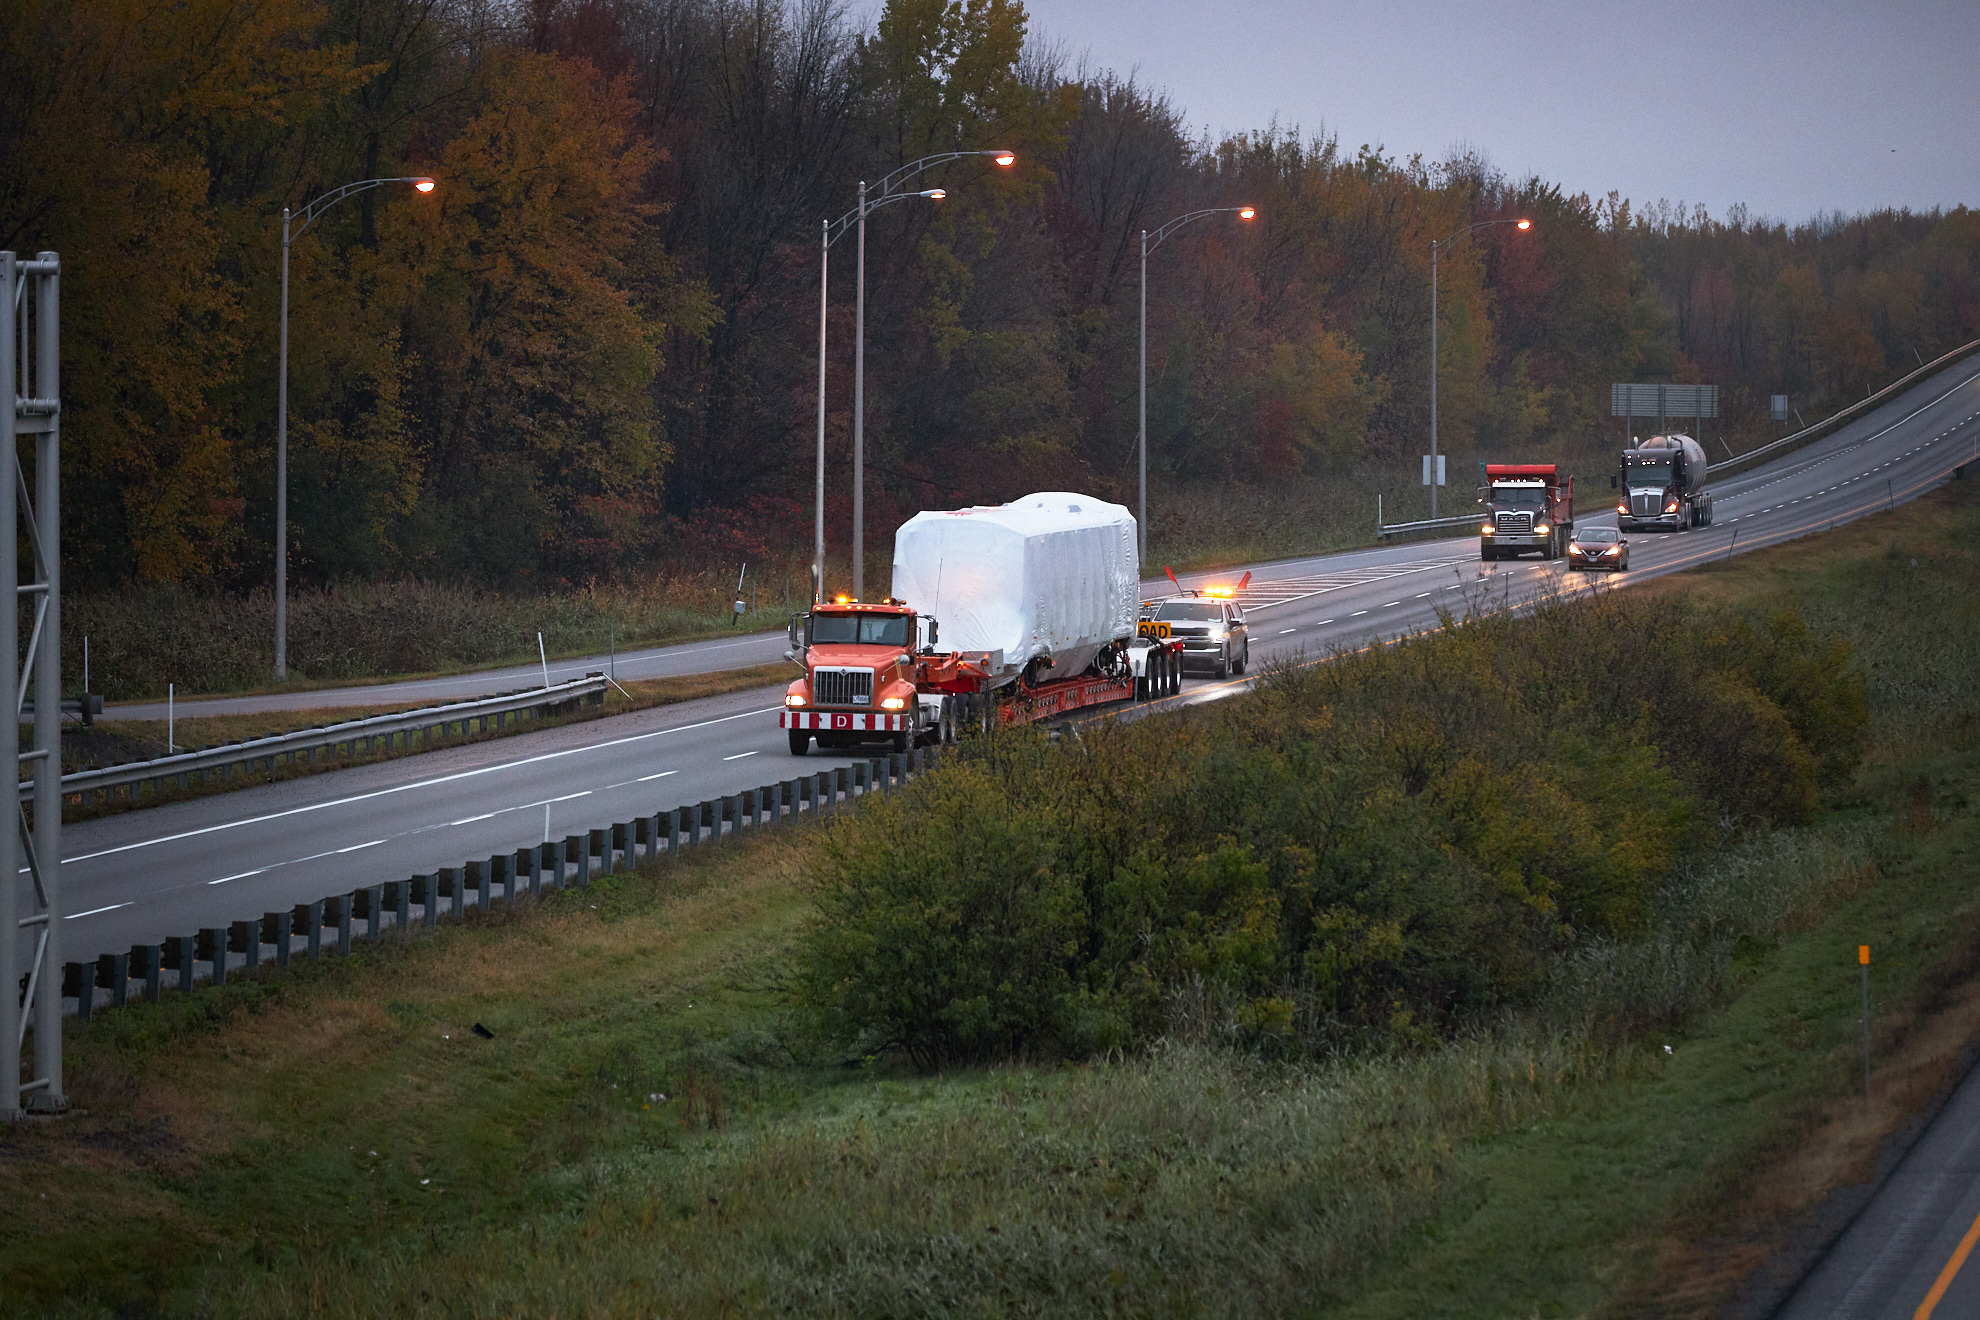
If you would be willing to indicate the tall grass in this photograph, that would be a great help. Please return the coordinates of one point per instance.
(146, 637)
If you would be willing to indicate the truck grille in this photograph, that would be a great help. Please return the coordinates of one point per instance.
(843, 687)
(1643, 505)
(1513, 522)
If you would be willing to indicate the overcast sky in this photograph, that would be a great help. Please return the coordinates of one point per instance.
(1793, 108)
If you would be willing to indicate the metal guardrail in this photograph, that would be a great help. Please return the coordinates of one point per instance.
(422, 720)
(1385, 530)
(398, 908)
(1853, 411)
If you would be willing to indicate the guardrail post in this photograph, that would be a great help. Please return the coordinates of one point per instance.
(501, 871)
(310, 917)
(618, 846)
(578, 849)
(144, 966)
(275, 928)
(524, 873)
(598, 843)
(213, 950)
(401, 905)
(344, 902)
(425, 892)
(244, 938)
(477, 880)
(374, 913)
(114, 970)
(178, 957)
(79, 979)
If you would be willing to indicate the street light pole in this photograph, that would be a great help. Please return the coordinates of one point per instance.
(859, 410)
(832, 231)
(884, 193)
(309, 215)
(1243, 213)
(818, 529)
(1436, 249)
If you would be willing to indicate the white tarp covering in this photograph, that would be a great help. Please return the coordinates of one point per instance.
(1052, 574)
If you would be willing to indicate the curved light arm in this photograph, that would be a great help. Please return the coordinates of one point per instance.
(885, 188)
(317, 207)
(1445, 244)
(1158, 235)
(836, 230)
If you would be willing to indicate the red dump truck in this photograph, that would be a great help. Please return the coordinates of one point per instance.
(1528, 506)
(1040, 601)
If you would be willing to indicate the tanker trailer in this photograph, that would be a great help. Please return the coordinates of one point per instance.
(1662, 486)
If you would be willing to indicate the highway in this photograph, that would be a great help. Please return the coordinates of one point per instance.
(144, 875)
(1905, 1254)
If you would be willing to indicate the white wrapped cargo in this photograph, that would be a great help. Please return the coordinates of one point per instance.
(1053, 574)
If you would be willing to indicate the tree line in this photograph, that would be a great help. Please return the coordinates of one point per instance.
(593, 347)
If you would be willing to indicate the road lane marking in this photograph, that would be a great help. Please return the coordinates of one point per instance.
(417, 784)
(1357, 614)
(738, 756)
(1284, 631)
(647, 779)
(242, 876)
(1946, 1275)
(94, 911)
(360, 847)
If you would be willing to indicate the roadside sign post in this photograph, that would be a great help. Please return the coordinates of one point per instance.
(1863, 961)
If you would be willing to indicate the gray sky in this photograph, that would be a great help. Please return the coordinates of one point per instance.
(1791, 108)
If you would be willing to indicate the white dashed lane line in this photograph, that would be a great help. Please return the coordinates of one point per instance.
(95, 911)
(738, 756)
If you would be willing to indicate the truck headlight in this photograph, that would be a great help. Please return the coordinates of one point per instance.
(1671, 507)
(793, 699)
(1488, 530)
(893, 703)
(1539, 529)
(1622, 508)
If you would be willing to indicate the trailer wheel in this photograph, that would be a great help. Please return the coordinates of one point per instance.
(947, 734)
(800, 741)
(1172, 671)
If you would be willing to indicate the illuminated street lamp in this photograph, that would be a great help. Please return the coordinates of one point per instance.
(1437, 247)
(883, 193)
(309, 214)
(1242, 213)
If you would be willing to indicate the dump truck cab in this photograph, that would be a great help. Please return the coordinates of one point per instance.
(1528, 506)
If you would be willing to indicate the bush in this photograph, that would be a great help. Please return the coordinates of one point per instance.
(1373, 849)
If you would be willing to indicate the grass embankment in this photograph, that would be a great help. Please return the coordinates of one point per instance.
(335, 1142)
(118, 742)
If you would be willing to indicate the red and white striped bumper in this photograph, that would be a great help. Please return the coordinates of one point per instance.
(844, 721)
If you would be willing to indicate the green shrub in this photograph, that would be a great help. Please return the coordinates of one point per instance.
(1378, 848)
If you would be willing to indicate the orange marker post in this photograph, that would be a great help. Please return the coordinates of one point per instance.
(1863, 960)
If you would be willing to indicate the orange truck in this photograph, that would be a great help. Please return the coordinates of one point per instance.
(1043, 600)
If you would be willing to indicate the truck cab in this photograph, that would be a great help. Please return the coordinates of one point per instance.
(1662, 486)
(858, 683)
(1528, 506)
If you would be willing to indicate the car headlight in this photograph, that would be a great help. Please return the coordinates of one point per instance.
(1613, 550)
(793, 699)
(893, 703)
(1488, 530)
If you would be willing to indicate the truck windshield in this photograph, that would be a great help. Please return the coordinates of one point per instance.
(1648, 472)
(1189, 611)
(1519, 497)
(859, 629)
